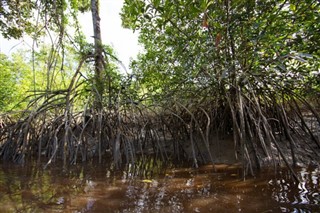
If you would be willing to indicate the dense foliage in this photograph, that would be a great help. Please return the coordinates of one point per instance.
(206, 47)
(7, 83)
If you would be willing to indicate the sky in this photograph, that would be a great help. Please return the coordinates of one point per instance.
(124, 41)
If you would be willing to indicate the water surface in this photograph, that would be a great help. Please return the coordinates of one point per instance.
(152, 187)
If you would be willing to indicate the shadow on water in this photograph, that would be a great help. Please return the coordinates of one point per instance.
(151, 186)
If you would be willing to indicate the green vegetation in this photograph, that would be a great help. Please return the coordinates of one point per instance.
(248, 70)
(202, 47)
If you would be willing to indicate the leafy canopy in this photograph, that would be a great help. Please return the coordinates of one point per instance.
(204, 48)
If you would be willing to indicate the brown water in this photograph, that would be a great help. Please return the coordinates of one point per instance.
(153, 187)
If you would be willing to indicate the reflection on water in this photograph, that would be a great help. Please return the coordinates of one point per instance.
(152, 187)
(297, 197)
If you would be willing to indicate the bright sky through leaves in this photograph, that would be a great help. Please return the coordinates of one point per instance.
(124, 41)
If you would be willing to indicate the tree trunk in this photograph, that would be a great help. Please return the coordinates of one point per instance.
(98, 75)
(98, 85)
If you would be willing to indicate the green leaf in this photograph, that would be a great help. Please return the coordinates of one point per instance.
(292, 7)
